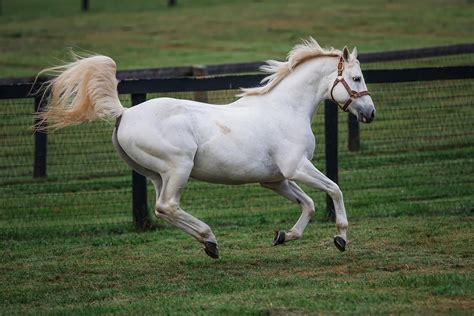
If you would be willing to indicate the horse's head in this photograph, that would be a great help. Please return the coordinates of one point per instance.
(348, 89)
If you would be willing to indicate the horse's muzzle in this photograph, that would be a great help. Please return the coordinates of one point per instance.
(366, 118)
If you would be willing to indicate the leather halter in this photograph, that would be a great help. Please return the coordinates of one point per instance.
(352, 94)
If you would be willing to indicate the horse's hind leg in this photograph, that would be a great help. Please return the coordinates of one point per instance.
(168, 185)
(167, 208)
(292, 192)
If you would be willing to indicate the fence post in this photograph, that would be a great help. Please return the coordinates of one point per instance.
(85, 5)
(331, 131)
(141, 217)
(200, 71)
(41, 139)
(353, 142)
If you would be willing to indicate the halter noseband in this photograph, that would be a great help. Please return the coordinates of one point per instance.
(352, 94)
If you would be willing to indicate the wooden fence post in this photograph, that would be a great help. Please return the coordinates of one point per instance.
(353, 142)
(331, 131)
(141, 217)
(200, 71)
(41, 140)
(85, 5)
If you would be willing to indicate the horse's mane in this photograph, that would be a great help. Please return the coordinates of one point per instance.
(278, 70)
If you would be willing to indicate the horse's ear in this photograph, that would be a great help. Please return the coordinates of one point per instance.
(355, 53)
(345, 53)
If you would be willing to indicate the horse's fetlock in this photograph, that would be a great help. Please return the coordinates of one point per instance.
(295, 234)
(342, 225)
(207, 234)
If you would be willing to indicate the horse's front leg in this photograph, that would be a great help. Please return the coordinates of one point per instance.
(292, 192)
(307, 173)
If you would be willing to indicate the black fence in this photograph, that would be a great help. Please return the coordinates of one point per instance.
(57, 173)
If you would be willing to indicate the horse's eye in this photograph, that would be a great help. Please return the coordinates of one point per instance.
(356, 79)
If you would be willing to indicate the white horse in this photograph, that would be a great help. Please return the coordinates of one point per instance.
(264, 137)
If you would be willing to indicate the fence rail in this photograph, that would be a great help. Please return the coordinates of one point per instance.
(152, 83)
(230, 82)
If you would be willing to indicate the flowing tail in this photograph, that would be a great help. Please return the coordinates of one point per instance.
(81, 91)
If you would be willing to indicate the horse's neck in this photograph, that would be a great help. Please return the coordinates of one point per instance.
(305, 87)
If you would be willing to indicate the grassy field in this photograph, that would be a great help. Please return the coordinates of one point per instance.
(394, 265)
(144, 34)
(67, 242)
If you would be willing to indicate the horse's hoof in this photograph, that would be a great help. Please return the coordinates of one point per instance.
(340, 243)
(279, 237)
(211, 249)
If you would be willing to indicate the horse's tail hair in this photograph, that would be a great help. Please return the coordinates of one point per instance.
(81, 91)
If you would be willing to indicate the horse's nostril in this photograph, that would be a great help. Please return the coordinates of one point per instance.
(372, 115)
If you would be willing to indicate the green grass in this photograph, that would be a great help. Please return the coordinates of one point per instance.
(146, 34)
(393, 265)
(67, 242)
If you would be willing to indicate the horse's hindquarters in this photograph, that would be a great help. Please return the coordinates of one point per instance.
(157, 138)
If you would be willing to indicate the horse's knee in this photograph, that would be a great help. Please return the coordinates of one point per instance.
(334, 191)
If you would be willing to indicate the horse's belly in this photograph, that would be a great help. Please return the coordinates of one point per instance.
(235, 170)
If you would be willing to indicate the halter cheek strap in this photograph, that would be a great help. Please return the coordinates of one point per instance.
(352, 94)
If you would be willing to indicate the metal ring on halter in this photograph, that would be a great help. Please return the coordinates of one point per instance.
(352, 94)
